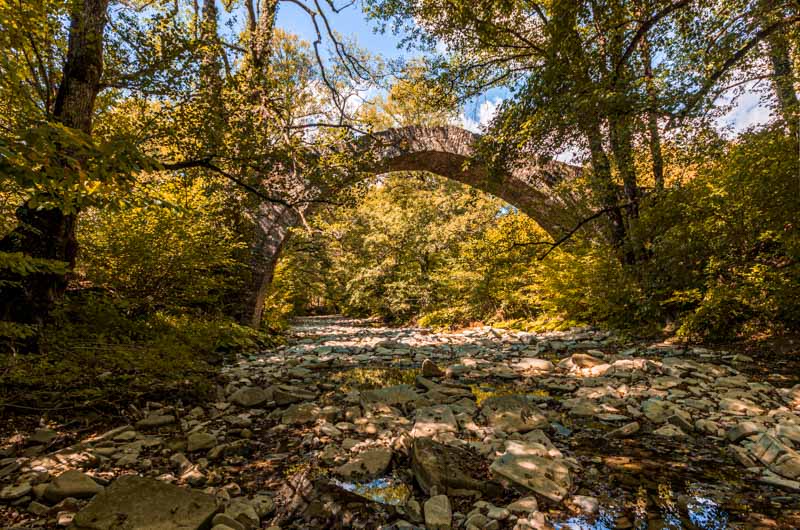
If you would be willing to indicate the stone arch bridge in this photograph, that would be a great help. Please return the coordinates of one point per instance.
(449, 152)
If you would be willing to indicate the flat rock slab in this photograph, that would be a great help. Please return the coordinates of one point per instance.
(523, 464)
(138, 503)
(368, 464)
(431, 421)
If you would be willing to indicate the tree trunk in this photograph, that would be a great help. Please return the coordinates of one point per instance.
(603, 188)
(622, 147)
(50, 233)
(270, 226)
(654, 134)
(783, 79)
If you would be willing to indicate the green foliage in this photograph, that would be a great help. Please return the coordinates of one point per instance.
(174, 250)
(723, 255)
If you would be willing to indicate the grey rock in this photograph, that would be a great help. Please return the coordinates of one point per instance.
(366, 465)
(144, 503)
(512, 413)
(524, 505)
(625, 431)
(198, 441)
(438, 514)
(670, 431)
(743, 430)
(263, 505)
(14, 492)
(587, 505)
(447, 468)
(226, 521)
(71, 483)
(242, 511)
(392, 395)
(250, 397)
(534, 365)
(429, 369)
(523, 464)
(431, 421)
(155, 421)
(300, 414)
(43, 436)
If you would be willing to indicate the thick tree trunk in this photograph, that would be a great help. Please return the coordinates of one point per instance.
(270, 226)
(603, 188)
(622, 147)
(50, 233)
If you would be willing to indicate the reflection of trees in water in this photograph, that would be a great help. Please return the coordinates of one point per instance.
(386, 490)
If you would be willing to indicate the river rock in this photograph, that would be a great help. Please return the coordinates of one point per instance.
(743, 430)
(155, 421)
(524, 505)
(14, 492)
(447, 468)
(43, 436)
(366, 465)
(438, 514)
(145, 503)
(198, 441)
(512, 413)
(629, 429)
(250, 397)
(300, 414)
(431, 421)
(524, 464)
(71, 483)
(392, 395)
(429, 369)
(534, 365)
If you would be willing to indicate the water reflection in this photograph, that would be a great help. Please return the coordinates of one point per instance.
(385, 490)
(605, 520)
(695, 509)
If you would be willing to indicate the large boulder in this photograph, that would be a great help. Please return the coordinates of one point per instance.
(138, 503)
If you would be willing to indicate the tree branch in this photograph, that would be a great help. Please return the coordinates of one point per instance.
(206, 163)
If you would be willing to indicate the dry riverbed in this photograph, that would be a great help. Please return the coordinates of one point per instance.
(357, 426)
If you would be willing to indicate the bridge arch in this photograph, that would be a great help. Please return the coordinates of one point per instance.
(445, 151)
(450, 153)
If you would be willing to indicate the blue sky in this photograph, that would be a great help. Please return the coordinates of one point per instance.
(352, 23)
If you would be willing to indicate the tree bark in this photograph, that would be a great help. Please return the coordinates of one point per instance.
(50, 233)
(783, 79)
(270, 227)
(603, 188)
(654, 134)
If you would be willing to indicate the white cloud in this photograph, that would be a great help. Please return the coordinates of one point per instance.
(748, 108)
(486, 113)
